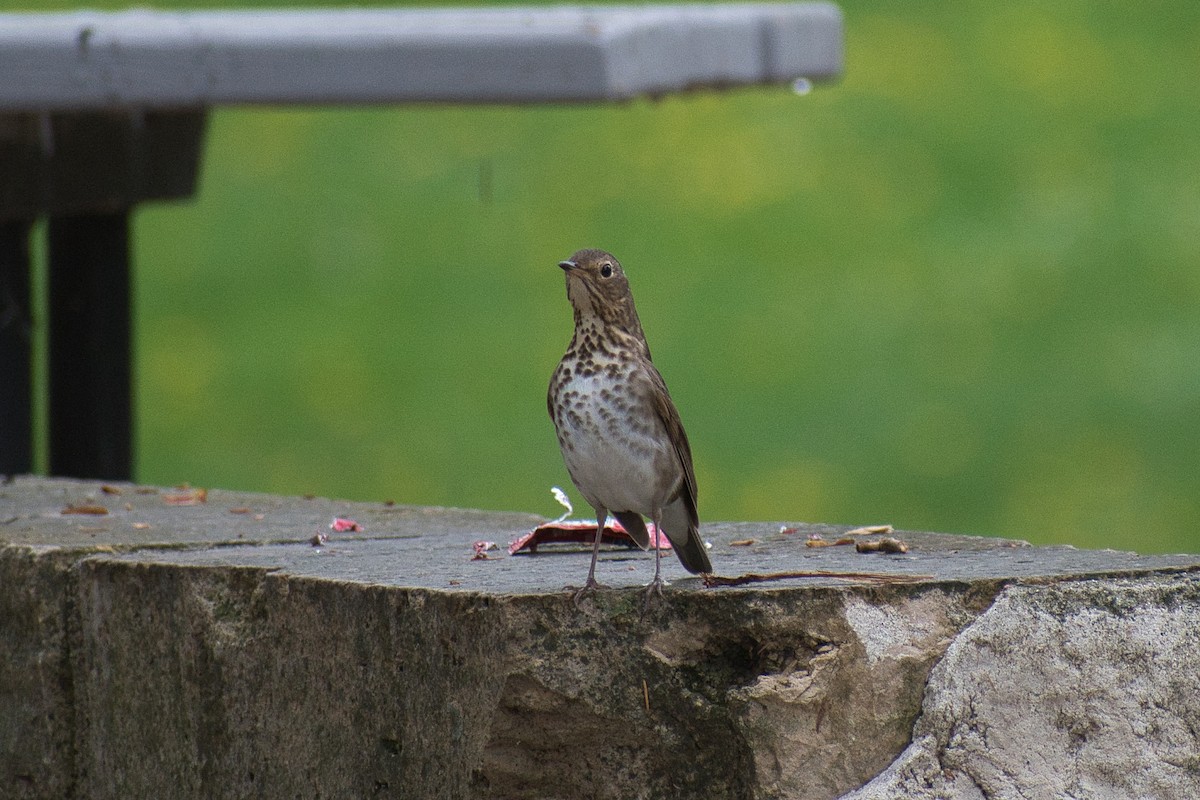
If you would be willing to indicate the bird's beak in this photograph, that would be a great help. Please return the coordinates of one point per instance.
(567, 266)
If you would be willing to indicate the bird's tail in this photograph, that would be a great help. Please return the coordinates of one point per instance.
(679, 524)
(635, 526)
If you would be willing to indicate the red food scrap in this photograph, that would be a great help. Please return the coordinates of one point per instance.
(583, 532)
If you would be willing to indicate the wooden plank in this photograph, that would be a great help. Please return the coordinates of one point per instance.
(157, 59)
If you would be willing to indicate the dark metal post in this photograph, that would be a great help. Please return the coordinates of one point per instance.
(90, 364)
(16, 339)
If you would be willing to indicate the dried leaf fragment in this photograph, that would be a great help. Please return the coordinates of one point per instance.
(868, 530)
(189, 497)
(239, 510)
(741, 543)
(84, 508)
(886, 545)
(816, 541)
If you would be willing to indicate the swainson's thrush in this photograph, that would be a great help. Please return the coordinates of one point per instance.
(619, 431)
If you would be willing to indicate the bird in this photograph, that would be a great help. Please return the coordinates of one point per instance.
(620, 434)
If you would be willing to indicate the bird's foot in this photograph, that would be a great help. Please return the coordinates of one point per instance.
(652, 590)
(592, 586)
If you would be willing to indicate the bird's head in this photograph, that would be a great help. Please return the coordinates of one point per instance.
(599, 290)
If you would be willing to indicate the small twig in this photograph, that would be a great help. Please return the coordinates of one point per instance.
(870, 577)
(646, 695)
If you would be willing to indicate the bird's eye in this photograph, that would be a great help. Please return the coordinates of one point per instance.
(606, 271)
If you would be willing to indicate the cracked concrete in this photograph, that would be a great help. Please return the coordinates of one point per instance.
(1080, 689)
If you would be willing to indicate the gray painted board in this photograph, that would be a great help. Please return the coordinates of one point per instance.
(157, 59)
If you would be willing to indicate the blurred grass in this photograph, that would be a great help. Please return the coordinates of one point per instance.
(959, 290)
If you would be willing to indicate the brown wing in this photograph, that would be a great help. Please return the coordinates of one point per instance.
(680, 521)
(678, 516)
(669, 415)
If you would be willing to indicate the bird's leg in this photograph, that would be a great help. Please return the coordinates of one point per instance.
(655, 586)
(591, 580)
(592, 585)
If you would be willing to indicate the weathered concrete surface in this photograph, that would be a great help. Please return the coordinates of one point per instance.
(219, 654)
(1087, 689)
(147, 517)
(36, 699)
(42, 551)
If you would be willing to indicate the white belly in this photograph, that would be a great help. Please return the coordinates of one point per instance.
(617, 466)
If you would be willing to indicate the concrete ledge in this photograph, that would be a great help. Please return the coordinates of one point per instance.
(210, 650)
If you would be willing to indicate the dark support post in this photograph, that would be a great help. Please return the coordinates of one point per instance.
(83, 171)
(16, 339)
(90, 365)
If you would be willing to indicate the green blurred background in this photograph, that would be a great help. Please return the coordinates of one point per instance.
(958, 290)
